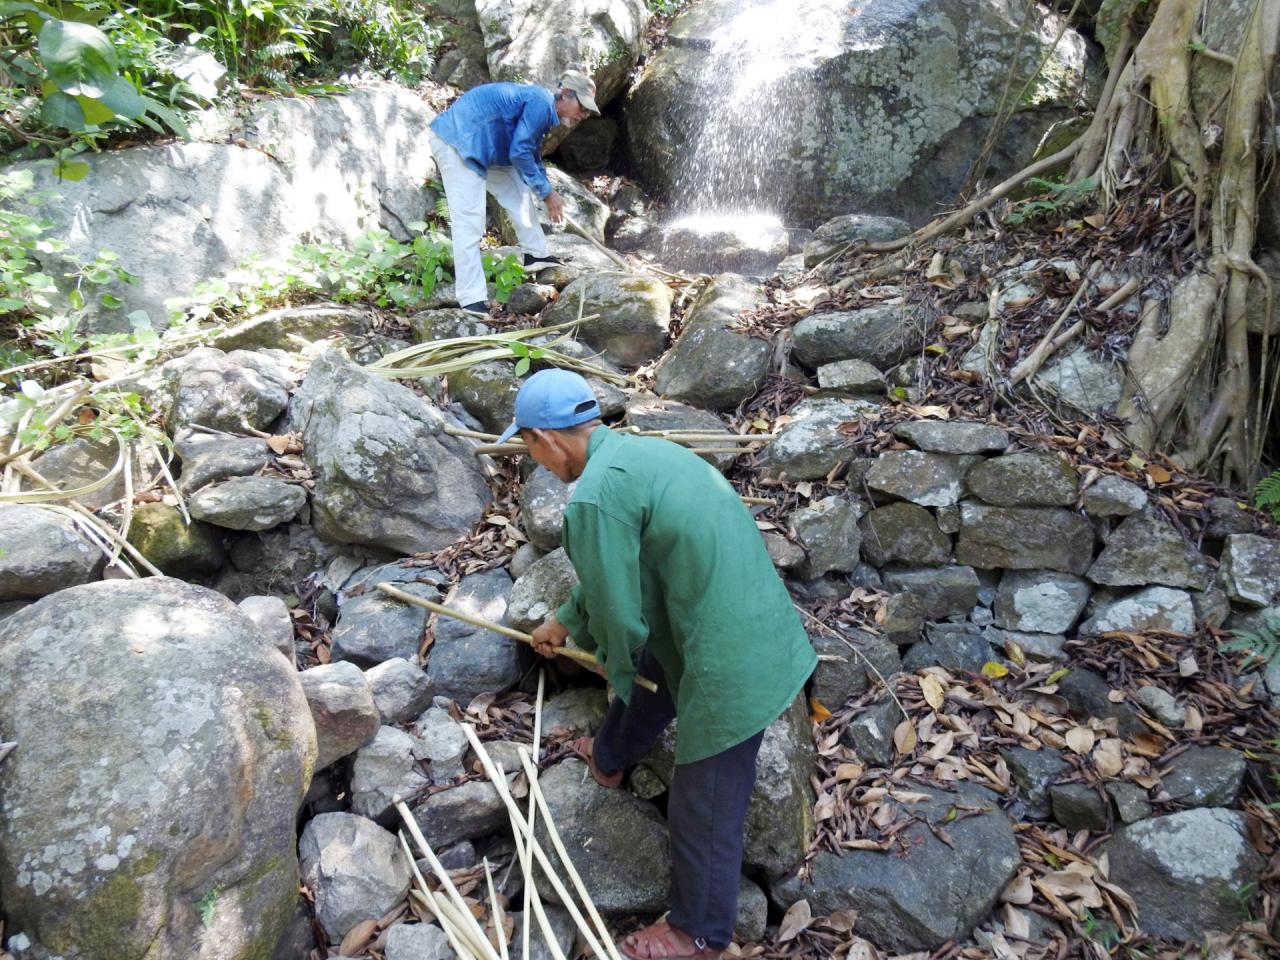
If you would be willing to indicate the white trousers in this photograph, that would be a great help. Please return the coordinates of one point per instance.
(465, 190)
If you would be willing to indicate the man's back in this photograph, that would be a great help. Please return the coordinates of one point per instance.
(501, 124)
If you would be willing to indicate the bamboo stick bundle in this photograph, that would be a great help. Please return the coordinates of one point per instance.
(529, 889)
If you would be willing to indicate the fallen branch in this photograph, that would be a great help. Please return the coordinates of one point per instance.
(1030, 365)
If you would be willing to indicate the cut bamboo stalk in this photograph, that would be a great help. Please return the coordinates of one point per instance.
(443, 876)
(572, 653)
(424, 897)
(537, 749)
(537, 800)
(495, 913)
(458, 916)
(758, 501)
(499, 780)
(526, 868)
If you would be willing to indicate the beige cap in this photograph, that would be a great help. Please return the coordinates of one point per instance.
(583, 87)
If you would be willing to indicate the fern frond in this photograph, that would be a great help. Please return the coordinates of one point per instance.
(1268, 492)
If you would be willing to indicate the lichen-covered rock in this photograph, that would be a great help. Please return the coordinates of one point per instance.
(1084, 382)
(466, 661)
(904, 533)
(83, 461)
(537, 594)
(282, 329)
(810, 445)
(1040, 601)
(1145, 549)
(958, 437)
(137, 790)
(271, 616)
(190, 550)
(711, 365)
(487, 391)
(386, 473)
(881, 335)
(382, 771)
(632, 314)
(849, 666)
(1024, 480)
(355, 870)
(1159, 609)
(840, 232)
(1113, 497)
(442, 742)
(1024, 538)
(542, 503)
(1204, 777)
(420, 941)
(237, 392)
(955, 646)
(828, 529)
(207, 458)
(851, 378)
(645, 412)
(929, 479)
(248, 503)
(1185, 871)
(342, 710)
(1250, 570)
(942, 591)
(373, 627)
(42, 551)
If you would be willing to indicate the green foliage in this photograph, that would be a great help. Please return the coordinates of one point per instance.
(525, 355)
(206, 905)
(1267, 495)
(505, 274)
(390, 37)
(1059, 196)
(666, 8)
(1262, 645)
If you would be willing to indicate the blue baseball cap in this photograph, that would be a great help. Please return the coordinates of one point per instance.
(552, 400)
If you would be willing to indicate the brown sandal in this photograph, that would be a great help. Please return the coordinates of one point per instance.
(582, 747)
(659, 941)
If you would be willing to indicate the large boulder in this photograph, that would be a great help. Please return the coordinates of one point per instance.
(631, 311)
(1161, 609)
(881, 335)
(926, 892)
(386, 473)
(897, 100)
(542, 503)
(42, 551)
(163, 752)
(542, 588)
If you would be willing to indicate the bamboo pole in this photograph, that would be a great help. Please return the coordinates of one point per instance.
(424, 897)
(533, 810)
(572, 653)
(495, 913)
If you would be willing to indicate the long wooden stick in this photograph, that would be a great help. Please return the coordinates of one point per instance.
(424, 897)
(533, 810)
(572, 653)
(495, 913)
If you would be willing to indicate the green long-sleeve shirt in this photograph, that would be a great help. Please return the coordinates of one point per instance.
(666, 554)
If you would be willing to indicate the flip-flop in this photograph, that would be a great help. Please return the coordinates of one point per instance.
(582, 747)
(655, 942)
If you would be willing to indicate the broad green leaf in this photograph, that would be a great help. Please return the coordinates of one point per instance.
(522, 367)
(95, 111)
(171, 118)
(71, 169)
(79, 58)
(111, 301)
(994, 670)
(32, 390)
(63, 112)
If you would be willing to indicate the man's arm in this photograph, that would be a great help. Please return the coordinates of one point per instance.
(526, 147)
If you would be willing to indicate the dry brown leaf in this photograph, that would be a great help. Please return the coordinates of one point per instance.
(1018, 890)
(849, 772)
(942, 746)
(904, 737)
(795, 921)
(1108, 757)
(357, 937)
(279, 445)
(1194, 721)
(1080, 740)
(932, 691)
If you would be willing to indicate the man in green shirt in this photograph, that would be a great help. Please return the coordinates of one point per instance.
(674, 584)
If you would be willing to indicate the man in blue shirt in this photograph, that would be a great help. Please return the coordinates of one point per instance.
(490, 140)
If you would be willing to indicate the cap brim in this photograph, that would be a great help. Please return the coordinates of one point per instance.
(589, 102)
(510, 432)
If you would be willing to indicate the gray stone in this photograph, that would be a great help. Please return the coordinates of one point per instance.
(715, 242)
(582, 258)
(1250, 570)
(1043, 647)
(1204, 777)
(418, 941)
(851, 377)
(248, 503)
(237, 392)
(542, 503)
(711, 365)
(578, 711)
(633, 312)
(836, 234)
(843, 669)
(563, 928)
(1155, 609)
(374, 627)
(1077, 806)
(904, 616)
(942, 436)
(386, 473)
(828, 530)
(470, 810)
(442, 741)
(880, 335)
(1088, 695)
(787, 555)
(1034, 771)
(618, 842)
(645, 412)
(753, 912)
(1083, 381)
(383, 770)
(401, 690)
(1160, 704)
(931, 891)
(586, 209)
(487, 391)
(904, 533)
(537, 594)
(466, 661)
(809, 446)
(780, 814)
(158, 738)
(956, 646)
(1024, 480)
(870, 733)
(446, 323)
(529, 298)
(526, 555)
(1039, 601)
(342, 708)
(929, 479)
(83, 461)
(355, 869)
(282, 329)
(1112, 497)
(1145, 549)
(1024, 538)
(271, 616)
(589, 147)
(943, 591)
(1130, 801)
(1226, 517)
(1185, 871)
(192, 550)
(41, 552)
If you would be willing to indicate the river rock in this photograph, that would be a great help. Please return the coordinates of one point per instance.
(207, 458)
(577, 711)
(1145, 549)
(809, 446)
(1024, 480)
(1155, 609)
(1204, 777)
(383, 770)
(248, 503)
(929, 479)
(1185, 871)
(848, 666)
(400, 688)
(710, 365)
(419, 941)
(780, 814)
(716, 242)
(190, 550)
(530, 298)
(1077, 806)
(870, 732)
(466, 661)
(632, 314)
(271, 616)
(828, 530)
(42, 551)
(282, 329)
(386, 473)
(1024, 538)
(851, 228)
(851, 377)
(1040, 601)
(1130, 801)
(929, 894)
(1250, 570)
(881, 335)
(542, 503)
(904, 533)
(342, 708)
(238, 392)
(1227, 516)
(470, 810)
(487, 391)
(1113, 497)
(83, 461)
(373, 627)
(355, 869)
(943, 436)
(542, 589)
(943, 591)
(645, 412)
(1044, 647)
(198, 721)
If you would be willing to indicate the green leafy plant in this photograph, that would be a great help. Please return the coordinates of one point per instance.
(1267, 495)
(525, 355)
(506, 273)
(390, 37)
(1261, 645)
(666, 8)
(1059, 197)
(206, 905)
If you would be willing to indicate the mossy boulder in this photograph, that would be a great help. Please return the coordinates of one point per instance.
(180, 549)
(487, 391)
(632, 314)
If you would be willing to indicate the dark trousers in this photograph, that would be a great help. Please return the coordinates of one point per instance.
(706, 808)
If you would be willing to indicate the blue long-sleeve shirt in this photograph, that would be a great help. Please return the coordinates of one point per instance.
(501, 124)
